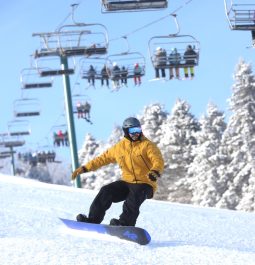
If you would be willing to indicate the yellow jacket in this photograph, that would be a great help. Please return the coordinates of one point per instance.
(135, 159)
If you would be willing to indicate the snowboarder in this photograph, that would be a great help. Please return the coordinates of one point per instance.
(141, 163)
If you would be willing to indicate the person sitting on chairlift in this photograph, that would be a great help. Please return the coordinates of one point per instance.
(174, 61)
(65, 138)
(160, 62)
(137, 74)
(86, 110)
(104, 76)
(123, 74)
(91, 75)
(79, 110)
(116, 75)
(190, 57)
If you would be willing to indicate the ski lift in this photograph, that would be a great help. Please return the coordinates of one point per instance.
(4, 156)
(47, 151)
(60, 135)
(168, 44)
(132, 5)
(26, 107)
(50, 66)
(240, 14)
(11, 141)
(30, 78)
(79, 99)
(126, 62)
(83, 39)
(49, 44)
(19, 127)
(98, 64)
(82, 107)
(5, 153)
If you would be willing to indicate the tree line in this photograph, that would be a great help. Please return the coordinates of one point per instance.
(208, 161)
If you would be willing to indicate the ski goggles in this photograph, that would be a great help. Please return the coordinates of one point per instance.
(134, 130)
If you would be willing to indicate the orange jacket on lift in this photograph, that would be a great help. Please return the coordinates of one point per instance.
(135, 159)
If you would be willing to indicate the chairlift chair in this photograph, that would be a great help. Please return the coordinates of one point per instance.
(82, 39)
(49, 152)
(79, 98)
(26, 107)
(127, 60)
(60, 135)
(19, 127)
(30, 79)
(97, 62)
(56, 128)
(11, 141)
(49, 44)
(50, 66)
(240, 14)
(168, 43)
(4, 156)
(45, 153)
(132, 5)
(7, 153)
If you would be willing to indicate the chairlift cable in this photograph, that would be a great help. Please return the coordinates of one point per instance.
(155, 21)
(70, 14)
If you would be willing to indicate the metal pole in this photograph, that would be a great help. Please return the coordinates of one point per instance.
(70, 120)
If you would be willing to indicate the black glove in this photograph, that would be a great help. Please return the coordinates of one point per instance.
(79, 171)
(153, 175)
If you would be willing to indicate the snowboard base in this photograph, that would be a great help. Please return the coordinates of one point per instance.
(131, 233)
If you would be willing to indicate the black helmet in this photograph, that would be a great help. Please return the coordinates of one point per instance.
(131, 122)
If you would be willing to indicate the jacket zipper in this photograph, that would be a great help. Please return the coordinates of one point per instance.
(145, 162)
(132, 162)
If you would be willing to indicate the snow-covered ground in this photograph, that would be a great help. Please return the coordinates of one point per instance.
(31, 233)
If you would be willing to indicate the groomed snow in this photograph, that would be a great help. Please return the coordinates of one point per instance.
(31, 233)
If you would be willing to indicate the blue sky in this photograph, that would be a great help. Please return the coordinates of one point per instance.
(220, 51)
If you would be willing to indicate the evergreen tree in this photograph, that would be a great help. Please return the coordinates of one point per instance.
(151, 119)
(111, 172)
(238, 143)
(177, 143)
(202, 173)
(88, 151)
(115, 136)
(39, 172)
(91, 148)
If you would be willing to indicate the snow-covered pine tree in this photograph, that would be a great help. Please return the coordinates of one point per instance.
(39, 172)
(238, 143)
(111, 172)
(115, 136)
(177, 143)
(151, 119)
(88, 151)
(202, 173)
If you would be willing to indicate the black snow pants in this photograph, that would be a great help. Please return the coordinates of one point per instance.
(133, 196)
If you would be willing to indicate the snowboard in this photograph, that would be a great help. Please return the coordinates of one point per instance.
(131, 233)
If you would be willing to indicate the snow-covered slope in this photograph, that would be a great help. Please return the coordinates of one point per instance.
(31, 233)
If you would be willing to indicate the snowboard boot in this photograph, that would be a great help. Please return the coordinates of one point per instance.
(82, 218)
(115, 222)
